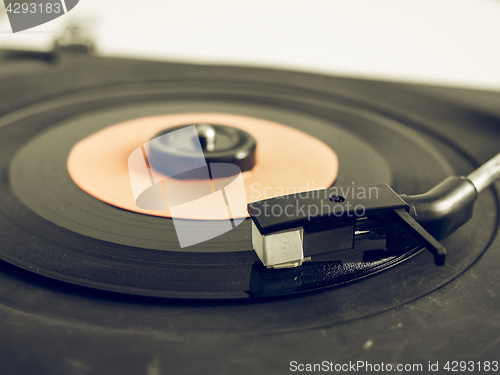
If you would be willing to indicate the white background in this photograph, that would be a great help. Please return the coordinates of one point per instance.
(447, 42)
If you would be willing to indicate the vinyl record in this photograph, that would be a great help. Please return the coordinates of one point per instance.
(140, 253)
(73, 263)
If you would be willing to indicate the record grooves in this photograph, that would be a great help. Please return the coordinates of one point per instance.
(51, 227)
(91, 217)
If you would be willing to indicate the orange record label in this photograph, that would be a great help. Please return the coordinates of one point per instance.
(108, 166)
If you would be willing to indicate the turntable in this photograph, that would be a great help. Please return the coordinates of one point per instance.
(91, 282)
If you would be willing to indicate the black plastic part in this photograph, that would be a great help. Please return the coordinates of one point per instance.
(326, 241)
(413, 229)
(314, 208)
(232, 145)
(330, 224)
(444, 208)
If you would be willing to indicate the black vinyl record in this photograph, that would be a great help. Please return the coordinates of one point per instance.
(86, 287)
